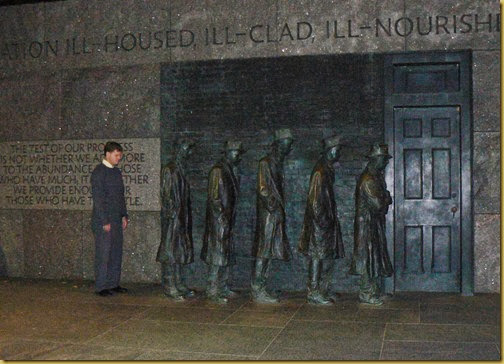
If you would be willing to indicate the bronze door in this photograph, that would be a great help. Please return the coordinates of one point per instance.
(427, 194)
(428, 129)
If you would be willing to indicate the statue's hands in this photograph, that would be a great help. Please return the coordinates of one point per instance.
(272, 204)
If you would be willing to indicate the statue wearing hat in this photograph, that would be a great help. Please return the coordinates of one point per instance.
(176, 248)
(270, 240)
(217, 251)
(321, 239)
(370, 256)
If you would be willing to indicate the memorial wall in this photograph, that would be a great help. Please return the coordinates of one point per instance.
(74, 74)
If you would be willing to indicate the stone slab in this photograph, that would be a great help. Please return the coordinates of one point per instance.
(338, 26)
(486, 172)
(29, 107)
(141, 242)
(454, 25)
(11, 244)
(115, 102)
(486, 90)
(52, 244)
(56, 174)
(487, 253)
(222, 30)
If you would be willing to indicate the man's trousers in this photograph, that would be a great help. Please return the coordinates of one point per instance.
(108, 256)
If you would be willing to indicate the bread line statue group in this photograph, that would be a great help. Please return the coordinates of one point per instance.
(320, 240)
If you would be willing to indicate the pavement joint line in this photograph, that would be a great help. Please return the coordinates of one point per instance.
(441, 324)
(116, 326)
(383, 341)
(195, 352)
(444, 342)
(498, 348)
(271, 342)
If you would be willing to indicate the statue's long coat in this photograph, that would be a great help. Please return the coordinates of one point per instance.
(176, 220)
(372, 199)
(321, 233)
(270, 235)
(223, 188)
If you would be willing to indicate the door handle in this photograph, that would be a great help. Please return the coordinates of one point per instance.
(454, 209)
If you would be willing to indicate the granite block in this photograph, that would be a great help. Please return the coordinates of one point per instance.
(30, 107)
(22, 40)
(486, 91)
(88, 352)
(11, 244)
(141, 242)
(338, 26)
(487, 253)
(486, 172)
(222, 30)
(114, 102)
(88, 247)
(442, 333)
(417, 350)
(52, 244)
(21, 349)
(190, 337)
(103, 33)
(448, 33)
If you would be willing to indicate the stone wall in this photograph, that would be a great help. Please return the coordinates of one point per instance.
(85, 70)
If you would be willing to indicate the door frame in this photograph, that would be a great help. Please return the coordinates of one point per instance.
(463, 98)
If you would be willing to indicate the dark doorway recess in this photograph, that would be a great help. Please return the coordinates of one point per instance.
(428, 126)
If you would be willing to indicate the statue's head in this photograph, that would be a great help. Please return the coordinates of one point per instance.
(283, 140)
(332, 148)
(233, 151)
(379, 156)
(185, 148)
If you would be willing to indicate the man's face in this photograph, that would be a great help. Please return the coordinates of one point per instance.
(285, 146)
(234, 156)
(333, 154)
(114, 157)
(187, 150)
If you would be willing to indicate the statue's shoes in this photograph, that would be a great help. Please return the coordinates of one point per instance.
(217, 299)
(176, 296)
(263, 297)
(317, 299)
(226, 292)
(186, 292)
(373, 301)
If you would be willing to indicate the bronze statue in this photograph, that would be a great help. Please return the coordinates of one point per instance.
(370, 256)
(321, 234)
(176, 248)
(271, 240)
(217, 251)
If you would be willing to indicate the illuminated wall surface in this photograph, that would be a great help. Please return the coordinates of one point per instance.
(74, 74)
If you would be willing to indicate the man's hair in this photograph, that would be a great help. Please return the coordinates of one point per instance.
(112, 147)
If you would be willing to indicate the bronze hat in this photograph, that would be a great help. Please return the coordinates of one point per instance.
(234, 145)
(283, 134)
(378, 150)
(331, 141)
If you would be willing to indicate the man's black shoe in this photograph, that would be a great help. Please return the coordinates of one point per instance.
(104, 293)
(119, 289)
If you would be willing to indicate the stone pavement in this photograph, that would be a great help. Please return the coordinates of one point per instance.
(64, 320)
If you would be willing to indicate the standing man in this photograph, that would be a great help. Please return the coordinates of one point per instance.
(321, 235)
(109, 220)
(370, 256)
(271, 240)
(176, 247)
(218, 247)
